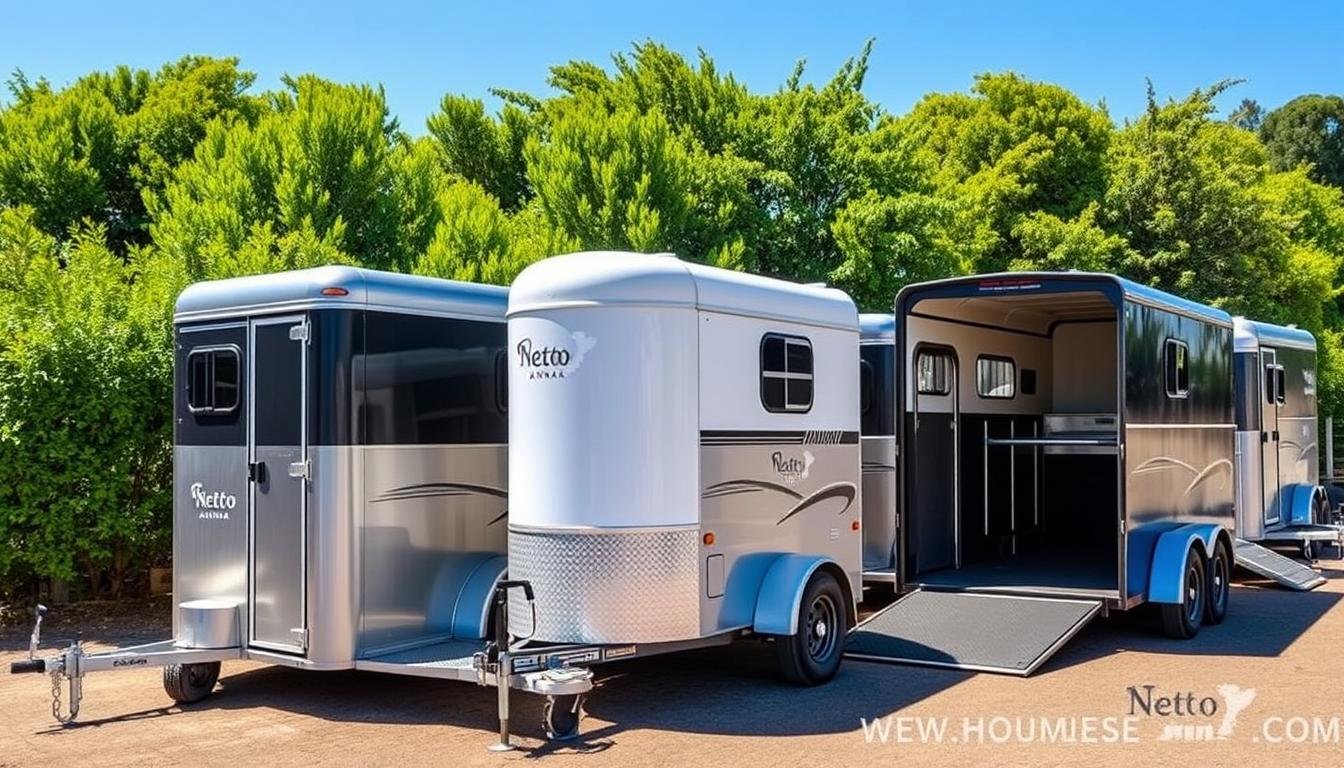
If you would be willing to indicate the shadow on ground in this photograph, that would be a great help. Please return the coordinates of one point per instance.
(730, 690)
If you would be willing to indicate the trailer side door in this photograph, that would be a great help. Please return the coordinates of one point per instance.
(1269, 433)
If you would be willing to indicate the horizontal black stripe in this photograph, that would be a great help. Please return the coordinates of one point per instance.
(796, 437)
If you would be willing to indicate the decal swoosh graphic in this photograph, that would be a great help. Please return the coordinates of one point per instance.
(844, 491)
(743, 486)
(1166, 463)
(443, 490)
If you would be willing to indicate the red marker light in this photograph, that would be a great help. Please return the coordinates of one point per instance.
(335, 291)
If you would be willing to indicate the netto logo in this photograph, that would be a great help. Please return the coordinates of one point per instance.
(553, 362)
(1186, 704)
(793, 468)
(213, 505)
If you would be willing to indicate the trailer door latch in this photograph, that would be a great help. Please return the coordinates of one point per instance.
(299, 469)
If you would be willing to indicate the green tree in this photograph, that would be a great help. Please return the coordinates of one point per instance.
(1308, 130)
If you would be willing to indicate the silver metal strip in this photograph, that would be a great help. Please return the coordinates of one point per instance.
(985, 465)
(1035, 481)
(1012, 488)
(1132, 425)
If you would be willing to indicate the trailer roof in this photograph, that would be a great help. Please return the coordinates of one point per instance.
(877, 327)
(365, 289)
(617, 278)
(1250, 335)
(1132, 291)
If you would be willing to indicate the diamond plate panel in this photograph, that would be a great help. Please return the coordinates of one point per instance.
(627, 587)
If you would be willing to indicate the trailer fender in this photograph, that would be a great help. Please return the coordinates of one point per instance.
(1166, 579)
(471, 613)
(781, 592)
(1302, 501)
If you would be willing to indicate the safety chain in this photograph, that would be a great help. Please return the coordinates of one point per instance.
(56, 710)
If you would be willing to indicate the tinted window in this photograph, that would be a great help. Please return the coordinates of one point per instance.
(431, 380)
(1248, 401)
(212, 380)
(786, 373)
(1177, 367)
(879, 394)
(995, 377)
(278, 381)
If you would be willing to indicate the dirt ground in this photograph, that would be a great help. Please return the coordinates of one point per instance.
(725, 706)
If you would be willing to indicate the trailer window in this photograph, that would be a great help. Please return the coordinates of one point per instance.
(1279, 389)
(212, 380)
(931, 371)
(786, 373)
(995, 377)
(1177, 366)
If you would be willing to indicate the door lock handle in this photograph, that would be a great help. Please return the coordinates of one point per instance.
(256, 471)
(1276, 435)
(298, 469)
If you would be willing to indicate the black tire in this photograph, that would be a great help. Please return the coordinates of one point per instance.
(560, 717)
(812, 655)
(1183, 620)
(1219, 586)
(189, 683)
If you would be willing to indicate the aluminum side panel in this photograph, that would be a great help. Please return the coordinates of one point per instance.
(431, 514)
(1250, 499)
(209, 524)
(333, 545)
(762, 500)
(879, 502)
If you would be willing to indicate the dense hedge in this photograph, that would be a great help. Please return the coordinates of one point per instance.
(123, 187)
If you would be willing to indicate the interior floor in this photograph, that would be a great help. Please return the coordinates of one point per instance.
(1055, 571)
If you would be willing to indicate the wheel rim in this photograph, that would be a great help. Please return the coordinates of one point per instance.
(1221, 583)
(821, 628)
(1194, 595)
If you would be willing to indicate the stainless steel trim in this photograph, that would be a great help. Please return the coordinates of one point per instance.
(985, 466)
(304, 305)
(1012, 489)
(590, 531)
(1131, 425)
(1035, 481)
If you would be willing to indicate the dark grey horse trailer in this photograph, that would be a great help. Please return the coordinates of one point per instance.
(877, 438)
(1066, 448)
(340, 472)
(1279, 496)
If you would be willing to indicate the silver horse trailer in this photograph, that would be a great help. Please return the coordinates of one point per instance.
(689, 437)
(339, 471)
(1279, 496)
(1066, 448)
(877, 437)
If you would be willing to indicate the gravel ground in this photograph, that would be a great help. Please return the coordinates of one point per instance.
(725, 705)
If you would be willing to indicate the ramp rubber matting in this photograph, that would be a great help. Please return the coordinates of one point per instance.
(1271, 565)
(1009, 634)
(449, 659)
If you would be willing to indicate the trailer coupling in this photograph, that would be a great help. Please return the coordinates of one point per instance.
(69, 666)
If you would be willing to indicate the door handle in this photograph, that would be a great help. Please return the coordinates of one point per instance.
(298, 469)
(1276, 435)
(256, 471)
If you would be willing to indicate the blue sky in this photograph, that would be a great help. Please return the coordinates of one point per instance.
(420, 50)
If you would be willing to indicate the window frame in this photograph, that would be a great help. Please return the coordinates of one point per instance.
(212, 350)
(786, 375)
(1171, 377)
(1011, 380)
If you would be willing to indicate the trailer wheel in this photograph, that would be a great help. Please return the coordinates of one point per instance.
(1220, 586)
(189, 683)
(1183, 620)
(812, 655)
(560, 717)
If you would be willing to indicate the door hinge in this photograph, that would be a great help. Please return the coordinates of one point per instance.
(301, 635)
(299, 332)
(300, 469)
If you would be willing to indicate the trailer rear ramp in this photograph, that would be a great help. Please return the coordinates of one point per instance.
(1006, 634)
(1271, 565)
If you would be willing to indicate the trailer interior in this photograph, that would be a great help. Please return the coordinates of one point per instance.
(1022, 495)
